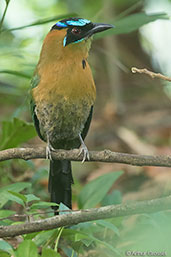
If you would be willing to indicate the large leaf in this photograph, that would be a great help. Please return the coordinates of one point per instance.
(94, 192)
(132, 22)
(6, 213)
(6, 247)
(47, 238)
(114, 197)
(17, 197)
(27, 249)
(17, 187)
(87, 239)
(16, 132)
(44, 236)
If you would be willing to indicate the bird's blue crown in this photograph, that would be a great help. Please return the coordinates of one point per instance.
(78, 29)
(72, 22)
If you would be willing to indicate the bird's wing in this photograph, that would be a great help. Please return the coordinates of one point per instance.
(87, 124)
(34, 82)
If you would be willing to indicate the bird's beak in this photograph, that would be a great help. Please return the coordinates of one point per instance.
(99, 27)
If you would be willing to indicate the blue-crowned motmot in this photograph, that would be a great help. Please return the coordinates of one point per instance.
(62, 97)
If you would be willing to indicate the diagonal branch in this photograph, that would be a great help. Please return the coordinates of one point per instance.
(150, 73)
(76, 217)
(98, 156)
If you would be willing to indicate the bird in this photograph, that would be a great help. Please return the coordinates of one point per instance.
(63, 94)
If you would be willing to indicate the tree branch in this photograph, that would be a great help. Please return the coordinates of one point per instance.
(90, 214)
(98, 156)
(151, 74)
(76, 217)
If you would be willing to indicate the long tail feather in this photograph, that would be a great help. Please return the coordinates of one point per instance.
(60, 180)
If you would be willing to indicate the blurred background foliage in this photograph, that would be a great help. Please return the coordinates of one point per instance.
(132, 113)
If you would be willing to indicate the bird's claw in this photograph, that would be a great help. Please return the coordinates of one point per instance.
(84, 150)
(48, 153)
(49, 150)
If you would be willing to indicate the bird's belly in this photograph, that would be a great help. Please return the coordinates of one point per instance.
(63, 120)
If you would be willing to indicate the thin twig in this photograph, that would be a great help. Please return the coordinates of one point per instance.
(119, 210)
(3, 16)
(98, 156)
(129, 10)
(150, 73)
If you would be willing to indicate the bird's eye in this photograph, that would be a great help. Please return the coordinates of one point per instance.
(76, 31)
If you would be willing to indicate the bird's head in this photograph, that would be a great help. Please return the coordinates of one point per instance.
(76, 30)
(70, 36)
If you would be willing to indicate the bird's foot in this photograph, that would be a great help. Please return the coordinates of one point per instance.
(48, 153)
(84, 150)
(49, 149)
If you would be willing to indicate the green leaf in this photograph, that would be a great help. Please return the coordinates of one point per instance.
(108, 225)
(84, 238)
(30, 236)
(16, 132)
(132, 22)
(16, 187)
(18, 195)
(43, 237)
(95, 191)
(16, 73)
(87, 239)
(31, 197)
(6, 247)
(42, 205)
(113, 198)
(4, 254)
(63, 208)
(49, 253)
(70, 252)
(6, 213)
(76, 236)
(27, 249)
(15, 199)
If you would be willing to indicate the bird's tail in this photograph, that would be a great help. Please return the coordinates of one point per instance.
(60, 180)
